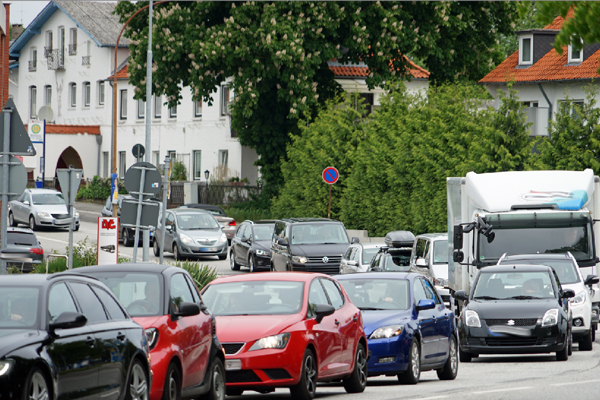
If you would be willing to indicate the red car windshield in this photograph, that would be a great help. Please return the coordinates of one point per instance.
(254, 298)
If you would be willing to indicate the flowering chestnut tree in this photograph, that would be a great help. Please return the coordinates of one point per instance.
(275, 55)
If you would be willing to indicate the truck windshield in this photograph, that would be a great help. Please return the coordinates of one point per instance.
(576, 239)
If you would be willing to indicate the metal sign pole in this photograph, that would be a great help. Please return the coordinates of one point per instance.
(5, 164)
(329, 210)
(70, 260)
(146, 253)
(139, 214)
(164, 209)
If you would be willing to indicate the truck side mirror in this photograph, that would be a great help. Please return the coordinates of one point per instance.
(458, 237)
(458, 256)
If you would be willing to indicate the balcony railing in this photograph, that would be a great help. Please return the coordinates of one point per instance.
(72, 49)
(86, 61)
(56, 60)
(32, 65)
(47, 51)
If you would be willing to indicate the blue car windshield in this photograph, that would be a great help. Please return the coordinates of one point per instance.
(18, 307)
(378, 294)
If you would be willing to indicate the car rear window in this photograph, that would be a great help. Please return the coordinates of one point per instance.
(21, 239)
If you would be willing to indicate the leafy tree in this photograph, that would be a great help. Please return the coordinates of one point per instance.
(574, 142)
(178, 171)
(330, 140)
(275, 55)
(526, 18)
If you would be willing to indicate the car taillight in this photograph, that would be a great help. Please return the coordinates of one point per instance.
(37, 250)
(232, 223)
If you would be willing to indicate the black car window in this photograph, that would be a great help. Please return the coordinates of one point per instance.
(18, 307)
(238, 233)
(192, 286)
(430, 291)
(316, 295)
(60, 301)
(376, 260)
(110, 304)
(89, 303)
(180, 291)
(337, 301)
(418, 291)
(279, 231)
(246, 232)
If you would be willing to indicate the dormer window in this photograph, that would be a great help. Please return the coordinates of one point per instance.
(575, 56)
(526, 50)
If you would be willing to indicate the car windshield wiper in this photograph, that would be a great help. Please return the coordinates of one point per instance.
(371, 308)
(524, 297)
(485, 298)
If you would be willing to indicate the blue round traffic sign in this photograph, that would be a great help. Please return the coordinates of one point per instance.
(330, 175)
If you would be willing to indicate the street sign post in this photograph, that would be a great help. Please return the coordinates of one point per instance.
(108, 240)
(138, 152)
(69, 180)
(330, 176)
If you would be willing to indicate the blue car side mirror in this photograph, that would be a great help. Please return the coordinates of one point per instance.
(425, 305)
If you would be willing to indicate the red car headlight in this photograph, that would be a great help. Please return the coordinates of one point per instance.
(271, 342)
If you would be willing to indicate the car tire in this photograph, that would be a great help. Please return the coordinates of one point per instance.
(217, 389)
(127, 239)
(36, 386)
(593, 333)
(450, 369)
(155, 248)
(232, 264)
(464, 357)
(76, 227)
(570, 352)
(413, 373)
(32, 225)
(11, 219)
(251, 266)
(563, 355)
(137, 382)
(172, 389)
(357, 381)
(586, 342)
(306, 388)
(176, 253)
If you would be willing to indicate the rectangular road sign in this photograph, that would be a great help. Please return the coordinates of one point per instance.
(108, 240)
(150, 210)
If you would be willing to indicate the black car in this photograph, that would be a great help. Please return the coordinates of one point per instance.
(309, 244)
(66, 336)
(251, 245)
(515, 309)
(24, 241)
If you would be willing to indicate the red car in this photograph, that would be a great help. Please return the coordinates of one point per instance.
(287, 329)
(186, 356)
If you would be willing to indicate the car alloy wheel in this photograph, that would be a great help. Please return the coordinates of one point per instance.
(176, 254)
(357, 381)
(251, 263)
(138, 383)
(232, 264)
(11, 219)
(306, 388)
(37, 386)
(172, 389)
(217, 383)
(32, 224)
(450, 369)
(412, 375)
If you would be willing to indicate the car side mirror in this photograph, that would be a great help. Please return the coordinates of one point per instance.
(427, 304)
(247, 240)
(323, 310)
(568, 293)
(169, 227)
(187, 309)
(26, 202)
(460, 295)
(355, 240)
(591, 280)
(375, 269)
(421, 262)
(352, 263)
(203, 307)
(282, 242)
(68, 320)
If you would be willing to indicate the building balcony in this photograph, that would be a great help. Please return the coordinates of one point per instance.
(86, 61)
(56, 60)
(72, 49)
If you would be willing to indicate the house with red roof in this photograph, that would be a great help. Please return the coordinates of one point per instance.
(543, 78)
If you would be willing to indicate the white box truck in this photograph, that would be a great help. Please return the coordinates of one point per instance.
(522, 212)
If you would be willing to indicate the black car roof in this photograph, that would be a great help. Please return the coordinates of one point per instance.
(516, 267)
(38, 279)
(301, 220)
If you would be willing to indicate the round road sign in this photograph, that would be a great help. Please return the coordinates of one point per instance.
(152, 183)
(138, 151)
(330, 175)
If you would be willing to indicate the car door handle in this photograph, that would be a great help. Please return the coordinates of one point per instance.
(121, 336)
(355, 318)
(337, 322)
(90, 341)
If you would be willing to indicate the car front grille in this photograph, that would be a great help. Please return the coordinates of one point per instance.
(329, 269)
(241, 376)
(206, 242)
(232, 348)
(516, 322)
(330, 260)
(60, 216)
(510, 341)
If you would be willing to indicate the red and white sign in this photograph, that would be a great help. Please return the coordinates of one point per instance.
(108, 240)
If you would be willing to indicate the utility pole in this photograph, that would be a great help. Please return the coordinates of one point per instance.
(146, 251)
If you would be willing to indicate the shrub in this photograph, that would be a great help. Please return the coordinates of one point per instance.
(178, 171)
(201, 274)
(98, 189)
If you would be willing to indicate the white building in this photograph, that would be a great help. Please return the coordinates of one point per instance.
(65, 59)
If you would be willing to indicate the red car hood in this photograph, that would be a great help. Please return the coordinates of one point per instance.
(246, 328)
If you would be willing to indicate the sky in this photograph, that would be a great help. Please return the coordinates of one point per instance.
(23, 12)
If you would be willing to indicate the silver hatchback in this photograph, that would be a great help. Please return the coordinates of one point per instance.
(41, 207)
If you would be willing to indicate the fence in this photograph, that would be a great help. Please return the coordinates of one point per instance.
(219, 193)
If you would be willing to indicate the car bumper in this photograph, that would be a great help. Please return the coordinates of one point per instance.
(534, 339)
(263, 368)
(197, 250)
(582, 318)
(332, 268)
(383, 350)
(262, 261)
(57, 222)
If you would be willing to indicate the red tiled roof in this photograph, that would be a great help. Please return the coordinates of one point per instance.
(551, 67)
(350, 71)
(123, 73)
(71, 129)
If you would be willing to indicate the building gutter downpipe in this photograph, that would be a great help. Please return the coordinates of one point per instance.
(549, 108)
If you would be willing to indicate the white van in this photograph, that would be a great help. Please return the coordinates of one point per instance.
(430, 254)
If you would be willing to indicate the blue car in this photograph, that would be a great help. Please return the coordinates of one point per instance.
(408, 327)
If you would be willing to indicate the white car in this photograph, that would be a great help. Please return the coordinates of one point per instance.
(565, 266)
(41, 207)
(430, 252)
(358, 257)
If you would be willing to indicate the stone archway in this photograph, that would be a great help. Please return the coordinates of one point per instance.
(68, 157)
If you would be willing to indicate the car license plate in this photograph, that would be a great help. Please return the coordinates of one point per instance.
(205, 249)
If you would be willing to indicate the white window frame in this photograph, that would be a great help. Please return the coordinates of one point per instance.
(198, 108)
(73, 94)
(123, 105)
(197, 174)
(157, 107)
(141, 109)
(226, 96)
(33, 102)
(521, 39)
(48, 95)
(49, 40)
(122, 164)
(73, 39)
(101, 92)
(572, 59)
(173, 111)
(87, 94)
(224, 158)
(34, 58)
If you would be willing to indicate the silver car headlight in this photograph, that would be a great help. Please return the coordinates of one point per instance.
(223, 238)
(5, 367)
(271, 342)
(579, 299)
(386, 332)
(472, 319)
(76, 214)
(186, 239)
(299, 259)
(550, 318)
(44, 214)
(262, 252)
